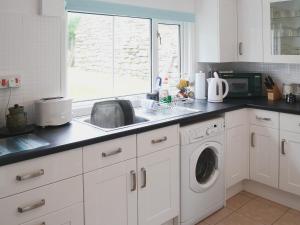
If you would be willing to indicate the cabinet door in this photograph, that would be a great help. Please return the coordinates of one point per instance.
(250, 31)
(69, 216)
(237, 155)
(110, 195)
(290, 162)
(264, 155)
(281, 21)
(158, 199)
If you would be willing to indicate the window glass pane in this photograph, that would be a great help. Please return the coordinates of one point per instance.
(169, 53)
(132, 50)
(108, 56)
(90, 56)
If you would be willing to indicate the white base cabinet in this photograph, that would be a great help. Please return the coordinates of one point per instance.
(158, 196)
(69, 216)
(264, 155)
(290, 162)
(237, 147)
(110, 195)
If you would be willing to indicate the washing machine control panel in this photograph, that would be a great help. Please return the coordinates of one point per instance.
(203, 130)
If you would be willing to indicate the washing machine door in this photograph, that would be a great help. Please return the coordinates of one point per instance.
(205, 165)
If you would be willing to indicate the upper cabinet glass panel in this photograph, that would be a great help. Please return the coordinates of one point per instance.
(285, 27)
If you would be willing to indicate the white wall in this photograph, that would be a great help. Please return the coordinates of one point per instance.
(30, 46)
(175, 5)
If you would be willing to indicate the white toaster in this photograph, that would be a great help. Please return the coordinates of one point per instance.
(53, 111)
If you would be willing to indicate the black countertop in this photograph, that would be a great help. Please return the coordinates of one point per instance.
(77, 134)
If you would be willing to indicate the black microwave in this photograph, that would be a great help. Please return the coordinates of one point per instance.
(243, 85)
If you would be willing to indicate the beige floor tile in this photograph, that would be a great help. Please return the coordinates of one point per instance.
(218, 216)
(249, 195)
(294, 211)
(263, 211)
(290, 218)
(237, 201)
(236, 219)
(202, 223)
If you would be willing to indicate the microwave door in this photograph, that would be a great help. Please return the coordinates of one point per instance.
(239, 86)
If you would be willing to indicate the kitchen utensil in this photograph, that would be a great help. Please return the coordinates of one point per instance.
(112, 113)
(153, 96)
(288, 89)
(53, 111)
(290, 98)
(200, 85)
(215, 89)
(16, 120)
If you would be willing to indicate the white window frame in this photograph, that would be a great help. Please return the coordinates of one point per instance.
(187, 59)
(155, 58)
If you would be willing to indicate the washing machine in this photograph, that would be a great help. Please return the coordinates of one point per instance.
(202, 170)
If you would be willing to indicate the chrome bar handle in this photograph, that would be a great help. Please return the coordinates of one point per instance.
(144, 173)
(32, 206)
(263, 118)
(241, 48)
(156, 141)
(115, 152)
(133, 180)
(283, 141)
(252, 139)
(30, 175)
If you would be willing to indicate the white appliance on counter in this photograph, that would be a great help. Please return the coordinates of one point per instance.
(216, 93)
(53, 111)
(200, 86)
(202, 170)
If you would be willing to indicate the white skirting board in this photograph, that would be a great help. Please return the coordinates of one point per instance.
(264, 191)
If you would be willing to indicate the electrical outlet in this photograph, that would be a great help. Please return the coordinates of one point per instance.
(14, 82)
(10, 82)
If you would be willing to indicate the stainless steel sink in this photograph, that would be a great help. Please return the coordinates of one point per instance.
(137, 120)
(143, 116)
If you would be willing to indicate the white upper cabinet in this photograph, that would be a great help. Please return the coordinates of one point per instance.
(216, 30)
(250, 31)
(281, 27)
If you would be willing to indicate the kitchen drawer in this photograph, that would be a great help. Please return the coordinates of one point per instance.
(290, 122)
(26, 175)
(236, 118)
(108, 153)
(264, 118)
(35, 203)
(158, 139)
(72, 215)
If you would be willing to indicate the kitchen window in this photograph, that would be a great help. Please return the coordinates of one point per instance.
(110, 56)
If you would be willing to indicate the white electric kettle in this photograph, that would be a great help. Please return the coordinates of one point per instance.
(215, 89)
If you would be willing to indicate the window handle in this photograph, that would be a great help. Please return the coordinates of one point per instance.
(159, 37)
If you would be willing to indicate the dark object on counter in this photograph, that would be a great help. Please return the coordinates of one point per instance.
(113, 113)
(243, 85)
(4, 132)
(153, 96)
(291, 99)
(16, 120)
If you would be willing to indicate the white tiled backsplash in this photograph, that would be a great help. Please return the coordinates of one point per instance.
(30, 47)
(282, 73)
